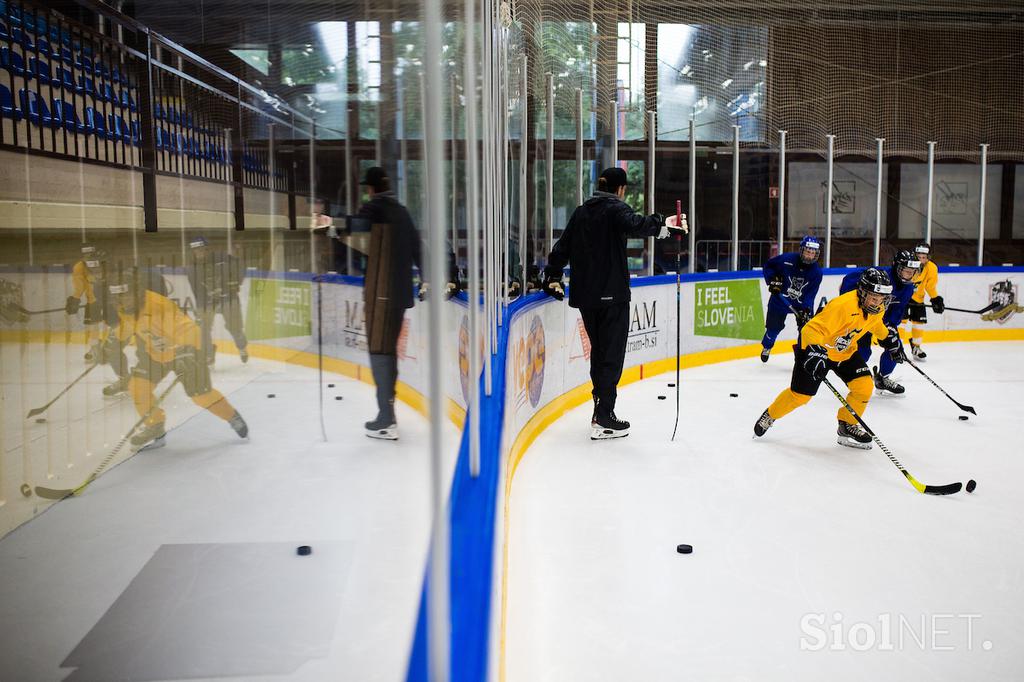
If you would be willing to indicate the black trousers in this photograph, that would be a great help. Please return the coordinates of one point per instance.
(607, 328)
(230, 308)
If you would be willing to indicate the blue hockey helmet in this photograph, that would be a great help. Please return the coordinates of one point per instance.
(810, 249)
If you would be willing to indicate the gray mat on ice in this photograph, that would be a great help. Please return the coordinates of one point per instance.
(217, 610)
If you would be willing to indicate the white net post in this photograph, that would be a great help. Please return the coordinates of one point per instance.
(878, 201)
(828, 199)
(579, 146)
(651, 134)
(981, 205)
(782, 190)
(549, 162)
(735, 259)
(931, 193)
(692, 218)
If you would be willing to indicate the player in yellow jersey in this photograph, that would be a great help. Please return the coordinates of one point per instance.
(87, 280)
(828, 342)
(167, 340)
(925, 281)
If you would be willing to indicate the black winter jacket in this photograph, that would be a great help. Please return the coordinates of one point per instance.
(594, 246)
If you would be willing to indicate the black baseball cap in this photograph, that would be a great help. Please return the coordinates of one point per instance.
(614, 178)
(375, 177)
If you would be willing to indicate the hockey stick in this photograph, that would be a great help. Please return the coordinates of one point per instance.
(25, 311)
(39, 410)
(61, 493)
(679, 238)
(965, 408)
(947, 489)
(320, 349)
(990, 306)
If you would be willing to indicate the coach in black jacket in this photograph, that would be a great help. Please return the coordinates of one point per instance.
(594, 246)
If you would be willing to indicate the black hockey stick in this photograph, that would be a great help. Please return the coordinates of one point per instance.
(990, 306)
(679, 239)
(61, 493)
(25, 311)
(39, 410)
(947, 489)
(965, 408)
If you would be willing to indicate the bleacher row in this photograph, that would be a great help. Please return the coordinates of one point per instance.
(97, 82)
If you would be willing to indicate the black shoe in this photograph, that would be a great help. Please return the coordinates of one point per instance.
(886, 384)
(239, 425)
(764, 423)
(244, 355)
(149, 438)
(383, 428)
(765, 352)
(853, 436)
(117, 388)
(917, 352)
(604, 426)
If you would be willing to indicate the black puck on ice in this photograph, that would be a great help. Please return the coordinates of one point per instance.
(734, 395)
(270, 395)
(337, 397)
(304, 550)
(971, 485)
(684, 549)
(40, 420)
(963, 417)
(330, 385)
(671, 385)
(661, 397)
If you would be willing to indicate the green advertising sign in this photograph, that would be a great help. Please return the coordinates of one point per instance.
(730, 309)
(278, 308)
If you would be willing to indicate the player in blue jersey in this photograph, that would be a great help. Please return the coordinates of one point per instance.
(793, 280)
(905, 266)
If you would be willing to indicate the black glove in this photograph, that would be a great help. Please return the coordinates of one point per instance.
(938, 305)
(554, 289)
(71, 306)
(93, 313)
(893, 346)
(775, 284)
(816, 362)
(802, 316)
(658, 218)
(513, 288)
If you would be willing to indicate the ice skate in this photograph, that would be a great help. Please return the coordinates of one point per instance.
(239, 425)
(150, 438)
(382, 428)
(764, 423)
(117, 388)
(886, 385)
(853, 436)
(604, 426)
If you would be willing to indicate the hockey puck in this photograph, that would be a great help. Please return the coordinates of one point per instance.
(971, 485)
(671, 385)
(661, 397)
(40, 420)
(304, 550)
(26, 490)
(330, 385)
(963, 417)
(270, 395)
(337, 397)
(684, 549)
(734, 395)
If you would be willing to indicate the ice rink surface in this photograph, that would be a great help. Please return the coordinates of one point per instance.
(811, 561)
(362, 504)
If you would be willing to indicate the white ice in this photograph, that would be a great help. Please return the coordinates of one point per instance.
(783, 528)
(60, 572)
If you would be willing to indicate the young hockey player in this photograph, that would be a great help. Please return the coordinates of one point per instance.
(594, 246)
(925, 281)
(905, 267)
(828, 342)
(216, 278)
(793, 280)
(87, 280)
(166, 341)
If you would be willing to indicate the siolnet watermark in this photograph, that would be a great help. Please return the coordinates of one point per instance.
(892, 632)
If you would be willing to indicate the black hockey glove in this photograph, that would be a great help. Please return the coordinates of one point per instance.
(816, 362)
(71, 306)
(775, 285)
(893, 346)
(938, 305)
(93, 313)
(554, 289)
(802, 316)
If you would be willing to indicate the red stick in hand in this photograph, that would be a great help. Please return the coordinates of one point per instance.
(679, 217)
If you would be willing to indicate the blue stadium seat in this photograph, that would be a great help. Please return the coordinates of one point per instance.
(86, 86)
(3, 30)
(43, 45)
(119, 129)
(158, 111)
(127, 101)
(41, 70)
(84, 63)
(136, 133)
(7, 107)
(95, 124)
(19, 36)
(12, 61)
(107, 94)
(65, 78)
(64, 114)
(34, 107)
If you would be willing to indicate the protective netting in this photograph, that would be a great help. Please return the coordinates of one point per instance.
(908, 72)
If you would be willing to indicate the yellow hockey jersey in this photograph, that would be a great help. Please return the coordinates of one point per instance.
(81, 282)
(925, 281)
(159, 327)
(839, 326)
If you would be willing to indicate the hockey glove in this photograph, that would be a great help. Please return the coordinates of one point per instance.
(893, 346)
(802, 316)
(93, 313)
(816, 362)
(554, 289)
(451, 290)
(775, 285)
(678, 223)
(71, 306)
(938, 305)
